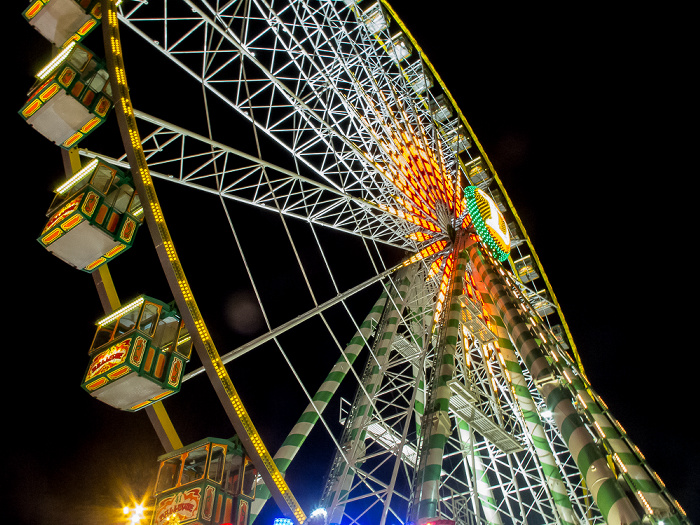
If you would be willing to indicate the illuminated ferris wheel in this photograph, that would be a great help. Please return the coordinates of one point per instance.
(321, 138)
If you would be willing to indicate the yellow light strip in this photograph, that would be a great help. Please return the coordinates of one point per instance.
(57, 60)
(602, 403)
(114, 315)
(600, 430)
(619, 462)
(581, 400)
(87, 170)
(644, 501)
(658, 479)
(620, 428)
(141, 173)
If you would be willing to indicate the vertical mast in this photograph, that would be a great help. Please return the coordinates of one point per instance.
(535, 429)
(309, 417)
(342, 473)
(436, 427)
(607, 493)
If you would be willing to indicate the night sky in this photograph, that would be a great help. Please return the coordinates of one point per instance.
(577, 115)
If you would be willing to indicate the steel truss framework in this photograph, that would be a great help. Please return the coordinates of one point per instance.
(304, 105)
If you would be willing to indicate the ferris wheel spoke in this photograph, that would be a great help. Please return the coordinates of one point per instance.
(317, 405)
(189, 156)
(265, 101)
(204, 165)
(322, 112)
(272, 334)
(343, 154)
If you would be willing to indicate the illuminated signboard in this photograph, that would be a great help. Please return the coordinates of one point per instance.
(488, 222)
(181, 505)
(107, 360)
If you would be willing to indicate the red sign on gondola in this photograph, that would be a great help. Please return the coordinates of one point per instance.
(104, 361)
(184, 505)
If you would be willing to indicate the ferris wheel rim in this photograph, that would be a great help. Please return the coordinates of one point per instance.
(176, 277)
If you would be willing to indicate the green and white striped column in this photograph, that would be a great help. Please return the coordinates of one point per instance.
(420, 325)
(320, 400)
(646, 486)
(419, 404)
(474, 463)
(436, 427)
(645, 489)
(528, 408)
(616, 508)
(353, 444)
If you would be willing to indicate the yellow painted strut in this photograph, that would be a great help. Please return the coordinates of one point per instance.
(175, 274)
(109, 298)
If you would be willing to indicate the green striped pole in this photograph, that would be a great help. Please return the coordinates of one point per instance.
(320, 400)
(646, 490)
(353, 442)
(419, 404)
(436, 424)
(530, 416)
(643, 482)
(616, 508)
(474, 463)
(421, 324)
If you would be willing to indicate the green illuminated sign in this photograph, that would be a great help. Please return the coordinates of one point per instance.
(488, 222)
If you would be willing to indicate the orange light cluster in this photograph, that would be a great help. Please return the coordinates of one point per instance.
(419, 236)
(420, 176)
(426, 195)
(428, 251)
(444, 285)
(416, 170)
(409, 217)
(435, 267)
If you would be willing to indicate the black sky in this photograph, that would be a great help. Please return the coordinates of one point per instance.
(578, 115)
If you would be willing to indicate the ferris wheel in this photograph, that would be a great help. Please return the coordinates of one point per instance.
(314, 158)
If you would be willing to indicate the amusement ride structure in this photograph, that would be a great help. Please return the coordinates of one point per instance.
(453, 391)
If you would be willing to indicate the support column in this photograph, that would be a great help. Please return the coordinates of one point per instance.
(436, 423)
(422, 320)
(645, 490)
(353, 442)
(324, 394)
(608, 495)
(475, 464)
(530, 416)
